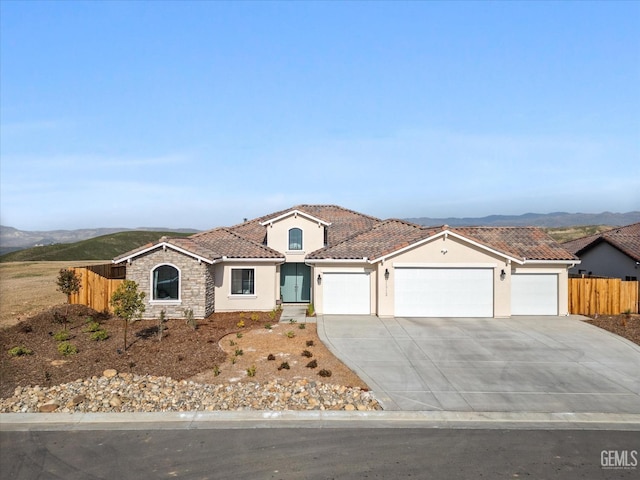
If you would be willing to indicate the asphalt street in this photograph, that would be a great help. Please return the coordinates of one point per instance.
(336, 453)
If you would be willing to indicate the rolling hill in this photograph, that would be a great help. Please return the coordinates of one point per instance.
(104, 247)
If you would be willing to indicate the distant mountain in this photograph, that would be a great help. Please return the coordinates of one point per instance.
(104, 247)
(556, 219)
(12, 239)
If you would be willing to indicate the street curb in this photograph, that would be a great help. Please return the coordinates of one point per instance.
(317, 419)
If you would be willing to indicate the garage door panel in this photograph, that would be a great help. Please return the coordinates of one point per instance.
(534, 294)
(346, 294)
(444, 292)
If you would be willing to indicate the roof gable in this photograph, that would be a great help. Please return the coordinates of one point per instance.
(626, 239)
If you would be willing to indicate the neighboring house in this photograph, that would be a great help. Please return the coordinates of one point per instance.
(614, 253)
(346, 262)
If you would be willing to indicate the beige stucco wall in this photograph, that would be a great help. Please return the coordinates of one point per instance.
(265, 288)
(459, 254)
(321, 269)
(278, 236)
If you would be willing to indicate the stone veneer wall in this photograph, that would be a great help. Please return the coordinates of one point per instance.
(196, 283)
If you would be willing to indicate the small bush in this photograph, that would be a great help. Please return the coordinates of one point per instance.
(271, 357)
(310, 310)
(216, 370)
(290, 334)
(302, 326)
(92, 327)
(324, 373)
(188, 318)
(254, 317)
(251, 371)
(307, 353)
(309, 343)
(240, 324)
(88, 320)
(239, 352)
(232, 343)
(100, 335)
(284, 366)
(238, 335)
(66, 349)
(19, 351)
(292, 321)
(61, 336)
(272, 314)
(312, 364)
(242, 315)
(234, 360)
(268, 326)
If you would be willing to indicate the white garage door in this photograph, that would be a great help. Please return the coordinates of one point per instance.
(534, 294)
(346, 294)
(444, 292)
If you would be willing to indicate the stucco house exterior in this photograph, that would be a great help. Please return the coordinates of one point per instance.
(345, 262)
(614, 253)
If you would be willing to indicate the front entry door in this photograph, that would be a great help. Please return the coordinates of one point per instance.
(295, 283)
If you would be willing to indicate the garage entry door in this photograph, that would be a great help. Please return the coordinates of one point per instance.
(346, 294)
(444, 292)
(534, 294)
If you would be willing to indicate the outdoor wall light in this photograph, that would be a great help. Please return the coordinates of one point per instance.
(386, 274)
(502, 274)
(319, 279)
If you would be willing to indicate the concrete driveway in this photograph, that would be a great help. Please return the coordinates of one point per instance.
(523, 364)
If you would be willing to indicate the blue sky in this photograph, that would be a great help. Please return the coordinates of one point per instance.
(200, 114)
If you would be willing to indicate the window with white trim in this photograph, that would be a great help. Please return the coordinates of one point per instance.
(295, 239)
(166, 283)
(242, 281)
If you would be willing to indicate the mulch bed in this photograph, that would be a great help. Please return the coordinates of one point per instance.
(182, 353)
(627, 326)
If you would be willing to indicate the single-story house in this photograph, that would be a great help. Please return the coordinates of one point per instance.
(614, 253)
(345, 262)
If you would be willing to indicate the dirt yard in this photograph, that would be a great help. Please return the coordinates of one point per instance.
(27, 288)
(627, 326)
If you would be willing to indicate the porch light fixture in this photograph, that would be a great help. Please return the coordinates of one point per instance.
(386, 274)
(319, 279)
(502, 274)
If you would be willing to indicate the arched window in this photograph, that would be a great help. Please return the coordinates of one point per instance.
(166, 283)
(295, 239)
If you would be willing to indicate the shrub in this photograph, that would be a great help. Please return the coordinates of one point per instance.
(251, 371)
(216, 370)
(232, 343)
(242, 315)
(307, 353)
(254, 317)
(239, 352)
(19, 351)
(284, 366)
(238, 335)
(290, 334)
(302, 326)
(292, 321)
(61, 336)
(272, 314)
(99, 335)
(312, 364)
(271, 357)
(92, 327)
(309, 343)
(66, 348)
(188, 318)
(310, 310)
(268, 326)
(240, 324)
(324, 373)
(128, 304)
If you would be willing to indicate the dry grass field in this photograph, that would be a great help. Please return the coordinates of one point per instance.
(27, 288)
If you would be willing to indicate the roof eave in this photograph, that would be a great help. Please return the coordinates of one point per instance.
(164, 245)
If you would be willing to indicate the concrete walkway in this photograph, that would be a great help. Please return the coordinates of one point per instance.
(524, 364)
(296, 313)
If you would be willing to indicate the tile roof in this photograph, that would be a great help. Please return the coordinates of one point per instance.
(344, 222)
(626, 239)
(212, 245)
(530, 243)
(389, 236)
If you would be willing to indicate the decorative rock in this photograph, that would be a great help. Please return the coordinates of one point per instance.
(48, 407)
(78, 399)
(115, 401)
(109, 373)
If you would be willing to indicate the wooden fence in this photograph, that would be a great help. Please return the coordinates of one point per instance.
(604, 296)
(95, 289)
